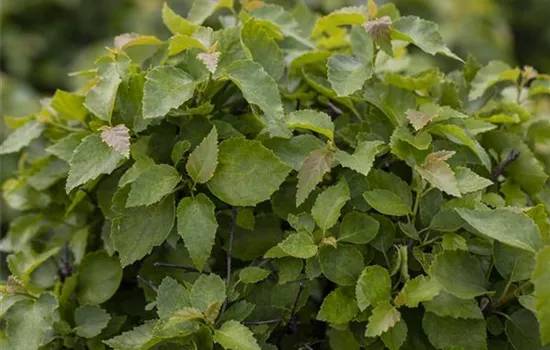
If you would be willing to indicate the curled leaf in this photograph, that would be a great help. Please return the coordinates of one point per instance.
(379, 28)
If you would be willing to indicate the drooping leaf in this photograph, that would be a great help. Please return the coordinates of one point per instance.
(21, 137)
(152, 184)
(176, 23)
(459, 273)
(247, 173)
(326, 210)
(318, 122)
(373, 287)
(508, 227)
(138, 230)
(165, 88)
(99, 278)
(90, 159)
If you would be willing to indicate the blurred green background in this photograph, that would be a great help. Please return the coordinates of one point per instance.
(41, 41)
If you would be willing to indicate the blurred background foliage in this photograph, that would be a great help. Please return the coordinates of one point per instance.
(41, 41)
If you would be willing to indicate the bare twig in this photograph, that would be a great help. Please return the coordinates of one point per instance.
(148, 283)
(174, 266)
(259, 323)
(292, 319)
(229, 254)
(510, 158)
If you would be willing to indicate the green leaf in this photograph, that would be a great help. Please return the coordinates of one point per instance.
(165, 88)
(438, 173)
(69, 106)
(341, 265)
(262, 48)
(253, 274)
(328, 204)
(541, 281)
(342, 339)
(396, 336)
(140, 337)
(387, 202)
(21, 137)
(363, 157)
(202, 162)
(348, 73)
(197, 226)
(152, 185)
(137, 230)
(100, 99)
(421, 33)
(358, 228)
(309, 119)
(207, 290)
(419, 289)
(421, 81)
(511, 228)
(346, 16)
(98, 278)
(247, 173)
(171, 296)
(180, 148)
(29, 322)
(459, 273)
(135, 171)
(493, 73)
(64, 148)
(373, 287)
(338, 307)
(445, 304)
(235, 336)
(201, 10)
(176, 23)
(90, 320)
(298, 245)
(512, 263)
(90, 159)
(315, 166)
(447, 332)
(294, 151)
(384, 317)
(468, 181)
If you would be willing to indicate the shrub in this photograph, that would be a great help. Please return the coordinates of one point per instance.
(286, 182)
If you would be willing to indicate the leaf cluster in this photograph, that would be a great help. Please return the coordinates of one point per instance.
(287, 181)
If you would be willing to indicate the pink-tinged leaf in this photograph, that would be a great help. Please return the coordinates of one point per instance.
(419, 119)
(317, 164)
(210, 60)
(378, 28)
(118, 138)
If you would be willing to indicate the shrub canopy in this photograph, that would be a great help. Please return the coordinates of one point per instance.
(288, 181)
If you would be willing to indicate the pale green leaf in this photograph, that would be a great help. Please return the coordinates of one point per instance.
(445, 304)
(68, 105)
(328, 204)
(468, 181)
(419, 289)
(338, 307)
(421, 33)
(127, 40)
(90, 320)
(511, 228)
(179, 150)
(197, 226)
(21, 137)
(541, 281)
(314, 167)
(384, 316)
(373, 287)
(90, 159)
(253, 274)
(363, 157)
(294, 151)
(262, 48)
(152, 185)
(396, 336)
(358, 228)
(247, 173)
(421, 81)
(234, 336)
(387, 202)
(171, 296)
(447, 332)
(438, 173)
(100, 99)
(202, 162)
(341, 265)
(138, 230)
(133, 173)
(392, 101)
(201, 9)
(179, 43)
(176, 23)
(298, 245)
(491, 74)
(98, 278)
(309, 119)
(459, 273)
(140, 337)
(346, 16)
(64, 148)
(165, 88)
(207, 290)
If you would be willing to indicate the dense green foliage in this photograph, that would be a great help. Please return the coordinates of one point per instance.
(287, 182)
